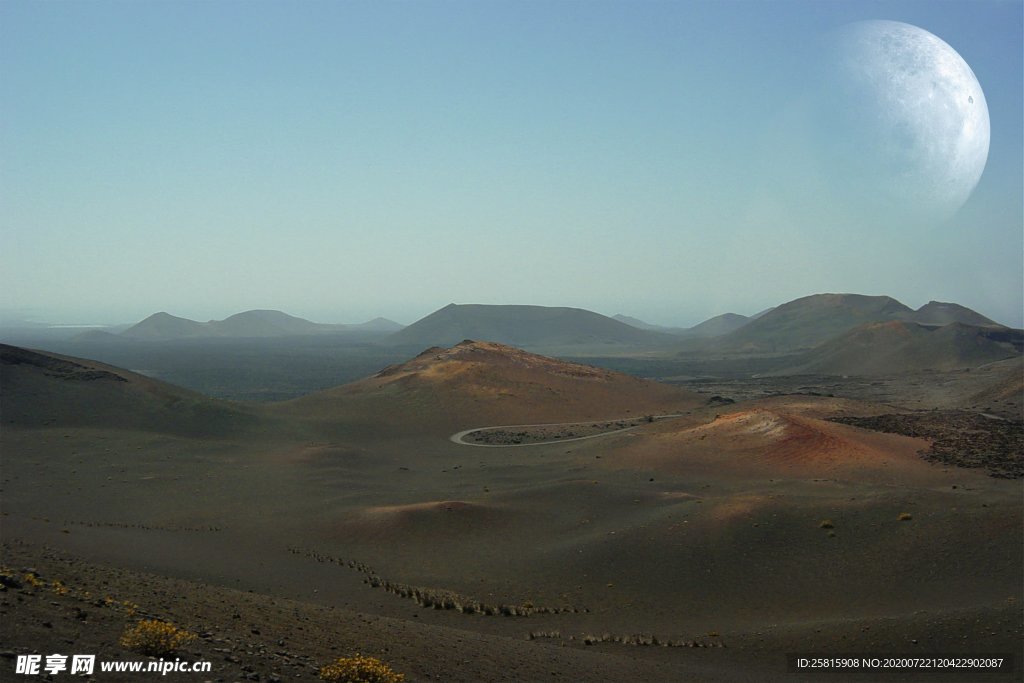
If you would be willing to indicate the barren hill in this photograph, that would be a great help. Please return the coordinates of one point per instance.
(484, 383)
(895, 347)
(524, 326)
(48, 390)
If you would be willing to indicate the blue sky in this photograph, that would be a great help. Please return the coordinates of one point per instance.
(343, 160)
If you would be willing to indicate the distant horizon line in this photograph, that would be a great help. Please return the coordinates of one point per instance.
(13, 320)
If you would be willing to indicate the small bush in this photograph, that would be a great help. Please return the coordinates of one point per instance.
(154, 637)
(827, 524)
(32, 579)
(359, 669)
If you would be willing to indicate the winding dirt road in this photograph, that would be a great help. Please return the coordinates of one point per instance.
(459, 437)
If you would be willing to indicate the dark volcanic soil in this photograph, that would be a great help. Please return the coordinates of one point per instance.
(77, 607)
(958, 438)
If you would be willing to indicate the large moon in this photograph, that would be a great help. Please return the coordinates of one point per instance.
(906, 123)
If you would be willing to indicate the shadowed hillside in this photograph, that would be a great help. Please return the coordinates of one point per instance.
(47, 390)
(898, 347)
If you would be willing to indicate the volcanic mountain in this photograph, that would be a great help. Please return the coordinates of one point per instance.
(534, 327)
(478, 383)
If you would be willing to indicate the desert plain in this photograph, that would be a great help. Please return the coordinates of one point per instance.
(477, 512)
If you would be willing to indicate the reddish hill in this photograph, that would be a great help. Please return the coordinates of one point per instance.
(785, 436)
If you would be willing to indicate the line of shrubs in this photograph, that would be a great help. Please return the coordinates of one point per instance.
(437, 598)
(636, 639)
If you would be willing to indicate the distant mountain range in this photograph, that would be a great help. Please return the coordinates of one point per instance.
(794, 326)
(250, 324)
(825, 333)
(807, 322)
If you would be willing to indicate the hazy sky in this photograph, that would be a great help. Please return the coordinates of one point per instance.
(343, 160)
